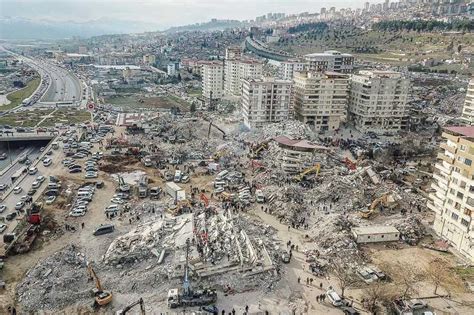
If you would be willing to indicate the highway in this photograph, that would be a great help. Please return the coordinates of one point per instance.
(64, 85)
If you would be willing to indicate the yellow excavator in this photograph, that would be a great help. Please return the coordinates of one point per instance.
(313, 169)
(129, 307)
(102, 297)
(386, 201)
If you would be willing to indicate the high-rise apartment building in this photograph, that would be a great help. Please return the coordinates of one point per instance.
(453, 198)
(149, 59)
(320, 99)
(378, 101)
(287, 68)
(238, 69)
(468, 109)
(212, 73)
(265, 100)
(330, 60)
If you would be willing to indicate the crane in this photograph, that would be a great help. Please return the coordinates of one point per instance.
(315, 168)
(129, 307)
(102, 297)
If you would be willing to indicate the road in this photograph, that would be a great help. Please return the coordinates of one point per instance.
(64, 85)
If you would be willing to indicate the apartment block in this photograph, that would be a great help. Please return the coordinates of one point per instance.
(320, 99)
(238, 69)
(233, 52)
(212, 73)
(468, 109)
(287, 69)
(330, 60)
(265, 100)
(378, 101)
(453, 182)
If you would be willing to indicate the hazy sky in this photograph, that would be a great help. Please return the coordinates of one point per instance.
(161, 13)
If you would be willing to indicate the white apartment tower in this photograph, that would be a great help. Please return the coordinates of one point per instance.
(287, 68)
(320, 99)
(212, 79)
(468, 109)
(378, 101)
(238, 69)
(330, 60)
(265, 100)
(453, 198)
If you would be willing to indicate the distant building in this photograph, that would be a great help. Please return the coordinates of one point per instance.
(453, 198)
(320, 99)
(265, 100)
(238, 69)
(468, 109)
(212, 73)
(378, 101)
(330, 60)
(288, 68)
(149, 59)
(233, 52)
(82, 50)
(171, 69)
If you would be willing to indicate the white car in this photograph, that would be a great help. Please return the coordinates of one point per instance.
(77, 213)
(36, 184)
(17, 190)
(3, 208)
(91, 175)
(3, 227)
(3, 186)
(117, 201)
(32, 170)
(40, 178)
(19, 205)
(50, 200)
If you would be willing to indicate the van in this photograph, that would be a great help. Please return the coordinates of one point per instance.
(222, 175)
(155, 192)
(47, 162)
(334, 298)
(104, 229)
(32, 170)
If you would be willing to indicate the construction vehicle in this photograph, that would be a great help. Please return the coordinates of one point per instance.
(34, 216)
(255, 150)
(123, 187)
(25, 240)
(186, 296)
(143, 187)
(313, 169)
(129, 307)
(211, 124)
(204, 199)
(387, 200)
(102, 297)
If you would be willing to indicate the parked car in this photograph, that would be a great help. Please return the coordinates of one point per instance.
(17, 190)
(19, 205)
(104, 229)
(40, 178)
(31, 192)
(75, 170)
(3, 227)
(50, 200)
(11, 216)
(334, 298)
(3, 187)
(3, 208)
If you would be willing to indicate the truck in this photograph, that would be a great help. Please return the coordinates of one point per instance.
(143, 187)
(176, 192)
(155, 192)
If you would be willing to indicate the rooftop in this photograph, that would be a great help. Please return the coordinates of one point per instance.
(467, 131)
(303, 144)
(377, 229)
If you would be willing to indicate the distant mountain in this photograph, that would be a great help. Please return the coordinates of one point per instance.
(213, 25)
(19, 28)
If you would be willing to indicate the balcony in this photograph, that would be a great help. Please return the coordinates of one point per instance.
(445, 158)
(448, 148)
(433, 207)
(440, 178)
(470, 201)
(443, 169)
(450, 137)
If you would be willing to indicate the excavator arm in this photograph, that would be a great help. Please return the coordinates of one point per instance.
(129, 307)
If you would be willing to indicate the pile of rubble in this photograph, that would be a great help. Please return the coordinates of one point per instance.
(55, 282)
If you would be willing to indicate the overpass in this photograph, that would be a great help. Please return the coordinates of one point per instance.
(262, 50)
(23, 136)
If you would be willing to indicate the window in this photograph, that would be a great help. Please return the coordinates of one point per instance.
(462, 148)
(454, 216)
(464, 222)
(468, 162)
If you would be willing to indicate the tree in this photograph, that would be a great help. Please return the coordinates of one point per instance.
(405, 277)
(376, 294)
(439, 274)
(345, 277)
